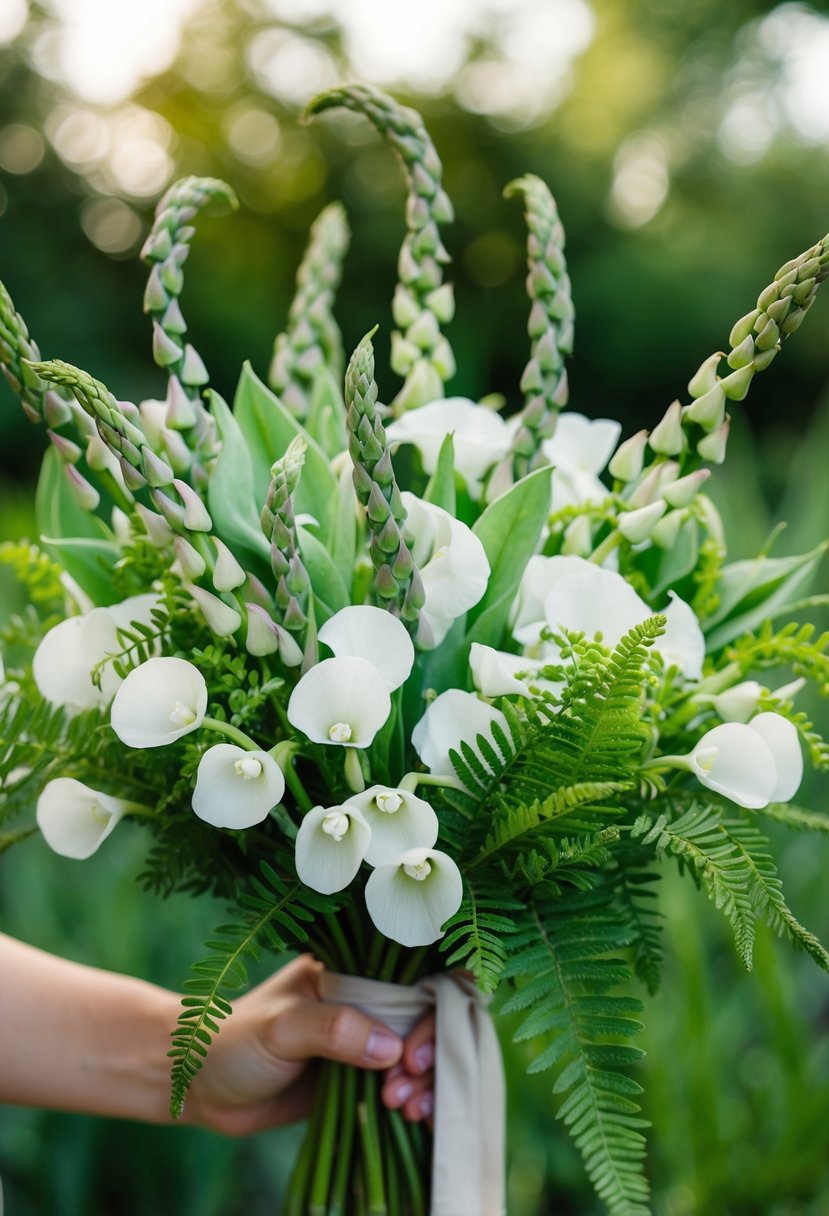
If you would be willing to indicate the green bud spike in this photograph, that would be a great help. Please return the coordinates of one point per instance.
(421, 301)
(550, 324)
(293, 586)
(18, 352)
(377, 490)
(312, 337)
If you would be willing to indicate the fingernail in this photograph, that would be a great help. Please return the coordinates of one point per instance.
(425, 1056)
(404, 1091)
(427, 1105)
(382, 1046)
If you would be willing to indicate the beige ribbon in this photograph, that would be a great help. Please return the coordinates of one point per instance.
(468, 1154)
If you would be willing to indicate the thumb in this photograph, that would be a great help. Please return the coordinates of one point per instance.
(309, 1029)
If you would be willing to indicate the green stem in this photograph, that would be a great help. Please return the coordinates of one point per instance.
(610, 542)
(342, 943)
(338, 1205)
(121, 497)
(411, 968)
(370, 1136)
(328, 1096)
(390, 962)
(358, 934)
(375, 954)
(231, 732)
(411, 1167)
(297, 1189)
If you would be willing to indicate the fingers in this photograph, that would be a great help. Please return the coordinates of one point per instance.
(413, 1095)
(333, 1032)
(419, 1047)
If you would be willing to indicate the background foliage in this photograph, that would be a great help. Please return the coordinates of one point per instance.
(689, 159)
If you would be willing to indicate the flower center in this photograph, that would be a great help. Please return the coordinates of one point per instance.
(439, 553)
(248, 767)
(388, 802)
(707, 757)
(418, 872)
(99, 815)
(182, 715)
(340, 732)
(335, 824)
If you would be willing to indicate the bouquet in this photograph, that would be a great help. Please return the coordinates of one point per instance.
(411, 686)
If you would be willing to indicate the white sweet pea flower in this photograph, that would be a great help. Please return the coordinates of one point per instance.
(595, 601)
(343, 701)
(452, 563)
(330, 846)
(75, 819)
(682, 644)
(398, 820)
(159, 702)
(453, 717)
(578, 451)
(236, 788)
(63, 662)
(480, 436)
(735, 704)
(780, 737)
(540, 576)
(364, 632)
(496, 673)
(735, 760)
(411, 899)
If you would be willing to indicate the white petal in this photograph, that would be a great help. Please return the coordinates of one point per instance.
(735, 761)
(492, 671)
(481, 437)
(582, 443)
(74, 819)
(326, 864)
(780, 737)
(365, 632)
(595, 601)
(457, 572)
(398, 820)
(452, 717)
(682, 644)
(63, 662)
(540, 576)
(136, 609)
(159, 702)
(409, 910)
(345, 693)
(738, 703)
(574, 488)
(227, 796)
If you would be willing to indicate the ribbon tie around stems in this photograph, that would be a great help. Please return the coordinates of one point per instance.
(468, 1154)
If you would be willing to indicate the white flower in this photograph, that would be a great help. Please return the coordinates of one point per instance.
(343, 701)
(159, 702)
(363, 632)
(578, 451)
(735, 704)
(452, 563)
(496, 673)
(540, 576)
(75, 820)
(682, 644)
(411, 899)
(452, 718)
(480, 436)
(398, 820)
(735, 760)
(330, 846)
(780, 737)
(236, 788)
(594, 601)
(63, 662)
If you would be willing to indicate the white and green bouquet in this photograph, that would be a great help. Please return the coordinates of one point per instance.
(409, 685)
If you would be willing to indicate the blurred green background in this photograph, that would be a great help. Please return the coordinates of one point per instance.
(688, 148)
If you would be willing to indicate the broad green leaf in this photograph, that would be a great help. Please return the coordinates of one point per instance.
(509, 529)
(751, 591)
(230, 495)
(330, 592)
(89, 561)
(57, 512)
(268, 428)
(441, 487)
(326, 414)
(675, 564)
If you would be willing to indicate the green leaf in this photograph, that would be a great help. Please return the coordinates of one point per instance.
(330, 592)
(441, 487)
(230, 497)
(268, 428)
(326, 414)
(509, 530)
(90, 562)
(750, 591)
(57, 511)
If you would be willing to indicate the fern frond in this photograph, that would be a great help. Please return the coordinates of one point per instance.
(637, 899)
(562, 956)
(578, 802)
(793, 645)
(474, 936)
(796, 817)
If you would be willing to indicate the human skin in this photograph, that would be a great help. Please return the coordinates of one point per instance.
(79, 1039)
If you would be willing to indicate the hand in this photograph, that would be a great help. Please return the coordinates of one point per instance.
(410, 1084)
(256, 1073)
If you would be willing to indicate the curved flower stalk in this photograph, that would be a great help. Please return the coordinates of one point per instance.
(412, 898)
(422, 302)
(480, 437)
(293, 586)
(17, 350)
(159, 702)
(550, 326)
(397, 582)
(236, 788)
(75, 820)
(312, 339)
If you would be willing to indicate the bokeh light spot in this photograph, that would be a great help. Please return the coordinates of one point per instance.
(111, 225)
(21, 148)
(13, 17)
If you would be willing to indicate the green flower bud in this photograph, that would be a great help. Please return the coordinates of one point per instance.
(626, 463)
(667, 438)
(705, 378)
(712, 447)
(636, 526)
(709, 409)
